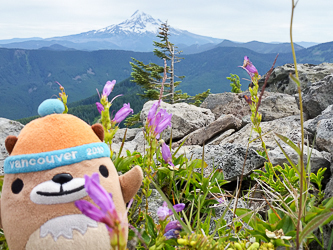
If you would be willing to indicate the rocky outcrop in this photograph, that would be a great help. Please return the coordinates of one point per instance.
(276, 105)
(279, 80)
(185, 118)
(7, 127)
(322, 127)
(226, 103)
(230, 159)
(286, 126)
(202, 135)
(318, 96)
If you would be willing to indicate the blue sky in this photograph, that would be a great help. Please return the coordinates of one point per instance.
(237, 20)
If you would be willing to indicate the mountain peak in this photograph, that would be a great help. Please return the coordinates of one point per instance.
(139, 23)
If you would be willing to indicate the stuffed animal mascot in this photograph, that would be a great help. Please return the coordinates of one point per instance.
(44, 176)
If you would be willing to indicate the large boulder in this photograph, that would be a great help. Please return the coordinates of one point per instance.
(322, 127)
(185, 118)
(7, 127)
(130, 134)
(324, 136)
(202, 135)
(311, 124)
(279, 80)
(287, 126)
(318, 96)
(230, 159)
(277, 105)
(227, 103)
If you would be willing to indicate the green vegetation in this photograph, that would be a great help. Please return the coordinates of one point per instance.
(86, 108)
(27, 77)
(149, 76)
(235, 83)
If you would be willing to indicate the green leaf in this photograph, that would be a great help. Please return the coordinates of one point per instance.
(289, 142)
(272, 218)
(288, 158)
(295, 80)
(314, 224)
(151, 227)
(184, 226)
(145, 237)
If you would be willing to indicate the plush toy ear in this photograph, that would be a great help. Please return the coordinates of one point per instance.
(99, 131)
(10, 143)
(130, 183)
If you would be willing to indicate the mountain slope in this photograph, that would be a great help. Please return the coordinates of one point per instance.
(27, 77)
(136, 33)
(261, 47)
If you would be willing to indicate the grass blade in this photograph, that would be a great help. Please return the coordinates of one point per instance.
(289, 142)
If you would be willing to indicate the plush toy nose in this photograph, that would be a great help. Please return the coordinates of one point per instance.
(62, 178)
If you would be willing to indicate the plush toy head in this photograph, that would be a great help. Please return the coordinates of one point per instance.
(44, 176)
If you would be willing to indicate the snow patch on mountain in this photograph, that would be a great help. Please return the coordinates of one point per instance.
(139, 23)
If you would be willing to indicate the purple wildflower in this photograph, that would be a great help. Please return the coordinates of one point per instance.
(108, 87)
(164, 121)
(152, 112)
(107, 213)
(173, 225)
(249, 67)
(166, 154)
(172, 234)
(163, 212)
(100, 107)
(122, 113)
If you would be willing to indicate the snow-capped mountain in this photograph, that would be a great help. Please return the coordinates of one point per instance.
(136, 33)
(139, 23)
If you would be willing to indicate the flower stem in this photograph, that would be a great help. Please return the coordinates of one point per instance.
(302, 181)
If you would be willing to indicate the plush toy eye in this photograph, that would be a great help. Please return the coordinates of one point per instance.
(17, 186)
(104, 171)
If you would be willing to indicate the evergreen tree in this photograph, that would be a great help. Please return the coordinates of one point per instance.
(149, 76)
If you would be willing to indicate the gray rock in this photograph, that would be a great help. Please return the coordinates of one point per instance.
(130, 134)
(279, 80)
(322, 127)
(202, 135)
(287, 126)
(229, 215)
(185, 118)
(277, 105)
(139, 142)
(318, 96)
(7, 127)
(185, 150)
(131, 146)
(155, 201)
(230, 159)
(227, 103)
(311, 125)
(324, 136)
(217, 140)
(317, 159)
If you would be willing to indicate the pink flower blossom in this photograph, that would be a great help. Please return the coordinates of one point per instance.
(108, 87)
(163, 212)
(100, 107)
(249, 67)
(166, 154)
(122, 113)
(106, 213)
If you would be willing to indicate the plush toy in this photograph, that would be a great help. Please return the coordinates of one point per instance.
(44, 176)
